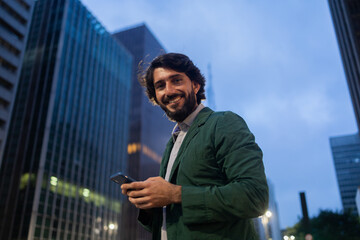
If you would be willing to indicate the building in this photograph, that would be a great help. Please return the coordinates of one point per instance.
(259, 227)
(150, 129)
(346, 155)
(210, 93)
(346, 149)
(267, 226)
(15, 18)
(68, 131)
(357, 200)
(273, 230)
(346, 19)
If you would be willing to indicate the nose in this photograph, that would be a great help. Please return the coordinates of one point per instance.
(169, 89)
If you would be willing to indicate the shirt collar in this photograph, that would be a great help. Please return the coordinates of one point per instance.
(190, 119)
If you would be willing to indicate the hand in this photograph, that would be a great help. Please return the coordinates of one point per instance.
(154, 192)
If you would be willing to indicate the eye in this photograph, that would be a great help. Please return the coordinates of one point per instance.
(159, 85)
(177, 80)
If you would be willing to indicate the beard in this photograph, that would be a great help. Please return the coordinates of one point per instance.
(186, 110)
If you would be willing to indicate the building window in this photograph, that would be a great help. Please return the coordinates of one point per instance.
(9, 47)
(8, 66)
(5, 26)
(5, 84)
(4, 104)
(13, 13)
(24, 4)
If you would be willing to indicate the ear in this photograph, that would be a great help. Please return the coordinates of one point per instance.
(196, 87)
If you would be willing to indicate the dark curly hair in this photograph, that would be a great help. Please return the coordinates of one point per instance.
(177, 62)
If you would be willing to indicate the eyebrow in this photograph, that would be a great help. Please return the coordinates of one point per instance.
(175, 75)
(170, 77)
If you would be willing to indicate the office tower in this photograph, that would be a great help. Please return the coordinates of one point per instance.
(346, 155)
(15, 17)
(259, 228)
(346, 149)
(210, 96)
(267, 226)
(346, 19)
(357, 200)
(150, 129)
(274, 220)
(68, 131)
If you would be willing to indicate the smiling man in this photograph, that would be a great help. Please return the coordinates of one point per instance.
(212, 179)
(175, 93)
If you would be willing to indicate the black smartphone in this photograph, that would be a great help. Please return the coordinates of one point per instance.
(121, 178)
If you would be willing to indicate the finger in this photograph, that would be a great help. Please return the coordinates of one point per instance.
(138, 201)
(141, 204)
(124, 191)
(124, 186)
(137, 193)
(154, 179)
(134, 185)
(127, 186)
(144, 206)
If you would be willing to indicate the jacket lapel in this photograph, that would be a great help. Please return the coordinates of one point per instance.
(200, 119)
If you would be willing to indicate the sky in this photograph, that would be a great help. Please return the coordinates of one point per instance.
(276, 64)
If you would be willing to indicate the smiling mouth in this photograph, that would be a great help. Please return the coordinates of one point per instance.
(175, 100)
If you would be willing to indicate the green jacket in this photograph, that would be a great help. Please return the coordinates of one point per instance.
(220, 169)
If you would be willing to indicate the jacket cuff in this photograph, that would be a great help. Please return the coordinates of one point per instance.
(193, 204)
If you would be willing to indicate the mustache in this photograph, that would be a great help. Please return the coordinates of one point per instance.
(167, 99)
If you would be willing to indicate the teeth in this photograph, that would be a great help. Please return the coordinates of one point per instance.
(175, 100)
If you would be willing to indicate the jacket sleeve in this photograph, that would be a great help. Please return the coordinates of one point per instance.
(245, 194)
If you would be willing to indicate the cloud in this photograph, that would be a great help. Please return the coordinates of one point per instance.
(311, 108)
(314, 108)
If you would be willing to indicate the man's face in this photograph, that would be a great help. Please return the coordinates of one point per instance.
(175, 93)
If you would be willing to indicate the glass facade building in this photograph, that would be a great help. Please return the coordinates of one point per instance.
(346, 19)
(346, 155)
(15, 18)
(274, 220)
(150, 129)
(69, 130)
(346, 149)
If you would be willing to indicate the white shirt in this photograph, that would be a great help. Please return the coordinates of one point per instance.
(179, 132)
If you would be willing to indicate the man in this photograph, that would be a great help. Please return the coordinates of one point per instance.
(212, 179)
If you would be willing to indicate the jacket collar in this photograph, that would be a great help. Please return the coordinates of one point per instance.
(200, 120)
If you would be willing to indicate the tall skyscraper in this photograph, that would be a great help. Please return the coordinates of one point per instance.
(268, 226)
(259, 228)
(346, 149)
(149, 127)
(346, 19)
(15, 17)
(210, 95)
(357, 200)
(274, 220)
(346, 155)
(68, 131)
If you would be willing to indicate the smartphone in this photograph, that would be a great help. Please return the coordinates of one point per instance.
(121, 178)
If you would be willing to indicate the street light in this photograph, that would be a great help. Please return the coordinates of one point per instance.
(292, 237)
(268, 214)
(111, 226)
